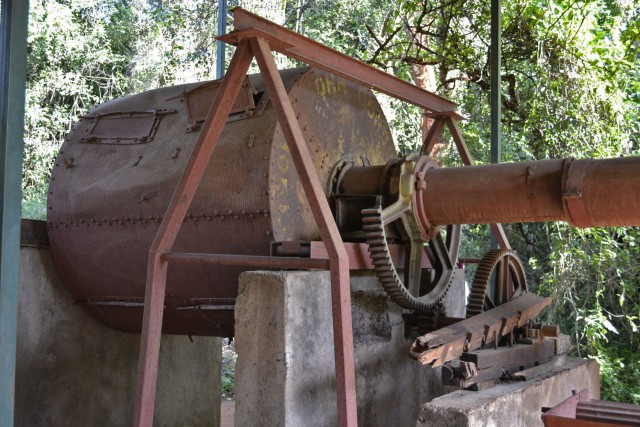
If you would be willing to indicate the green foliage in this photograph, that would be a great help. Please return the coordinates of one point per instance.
(228, 367)
(85, 52)
(570, 88)
(593, 278)
(72, 65)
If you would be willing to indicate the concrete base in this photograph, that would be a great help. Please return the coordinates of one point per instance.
(72, 371)
(515, 404)
(285, 373)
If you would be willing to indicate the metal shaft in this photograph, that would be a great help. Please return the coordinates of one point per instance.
(585, 193)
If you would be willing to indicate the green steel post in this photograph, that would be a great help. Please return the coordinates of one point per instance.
(222, 30)
(496, 57)
(13, 62)
(495, 96)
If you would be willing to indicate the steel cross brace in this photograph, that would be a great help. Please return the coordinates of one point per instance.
(256, 37)
(159, 254)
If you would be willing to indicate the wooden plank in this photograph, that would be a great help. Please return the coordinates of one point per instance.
(510, 356)
(492, 364)
(443, 345)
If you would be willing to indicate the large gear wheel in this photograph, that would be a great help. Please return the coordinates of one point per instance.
(510, 281)
(411, 293)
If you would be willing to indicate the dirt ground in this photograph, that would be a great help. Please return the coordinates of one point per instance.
(227, 413)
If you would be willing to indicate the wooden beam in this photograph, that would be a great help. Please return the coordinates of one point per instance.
(446, 344)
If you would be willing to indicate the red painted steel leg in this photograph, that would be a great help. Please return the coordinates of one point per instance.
(180, 202)
(339, 261)
(150, 342)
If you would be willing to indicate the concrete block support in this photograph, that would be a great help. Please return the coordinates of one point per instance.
(515, 404)
(72, 371)
(285, 367)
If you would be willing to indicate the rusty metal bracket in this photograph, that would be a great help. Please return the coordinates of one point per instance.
(432, 136)
(168, 231)
(338, 258)
(159, 255)
(572, 192)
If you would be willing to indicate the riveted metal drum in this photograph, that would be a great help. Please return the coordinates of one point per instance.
(118, 168)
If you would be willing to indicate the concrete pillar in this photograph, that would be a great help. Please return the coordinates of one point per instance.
(285, 369)
(514, 404)
(72, 371)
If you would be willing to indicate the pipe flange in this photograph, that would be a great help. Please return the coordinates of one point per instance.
(424, 164)
(573, 201)
(336, 174)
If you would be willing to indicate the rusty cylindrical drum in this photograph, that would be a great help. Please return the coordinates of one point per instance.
(118, 168)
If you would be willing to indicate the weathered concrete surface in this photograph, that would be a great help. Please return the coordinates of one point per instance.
(72, 371)
(515, 404)
(285, 368)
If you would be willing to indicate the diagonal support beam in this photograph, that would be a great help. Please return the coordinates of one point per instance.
(247, 26)
(180, 202)
(432, 136)
(339, 260)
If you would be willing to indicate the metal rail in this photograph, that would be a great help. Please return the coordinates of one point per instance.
(247, 260)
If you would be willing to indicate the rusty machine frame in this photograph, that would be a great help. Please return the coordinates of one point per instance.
(258, 38)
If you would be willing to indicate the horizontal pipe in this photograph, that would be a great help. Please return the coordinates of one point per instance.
(247, 260)
(585, 193)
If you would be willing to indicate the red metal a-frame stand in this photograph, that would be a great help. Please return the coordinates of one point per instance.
(258, 38)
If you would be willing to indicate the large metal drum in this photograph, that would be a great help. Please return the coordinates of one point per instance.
(119, 166)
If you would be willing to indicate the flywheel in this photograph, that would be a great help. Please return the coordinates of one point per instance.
(510, 281)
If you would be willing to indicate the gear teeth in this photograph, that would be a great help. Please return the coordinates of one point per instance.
(373, 227)
(482, 277)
